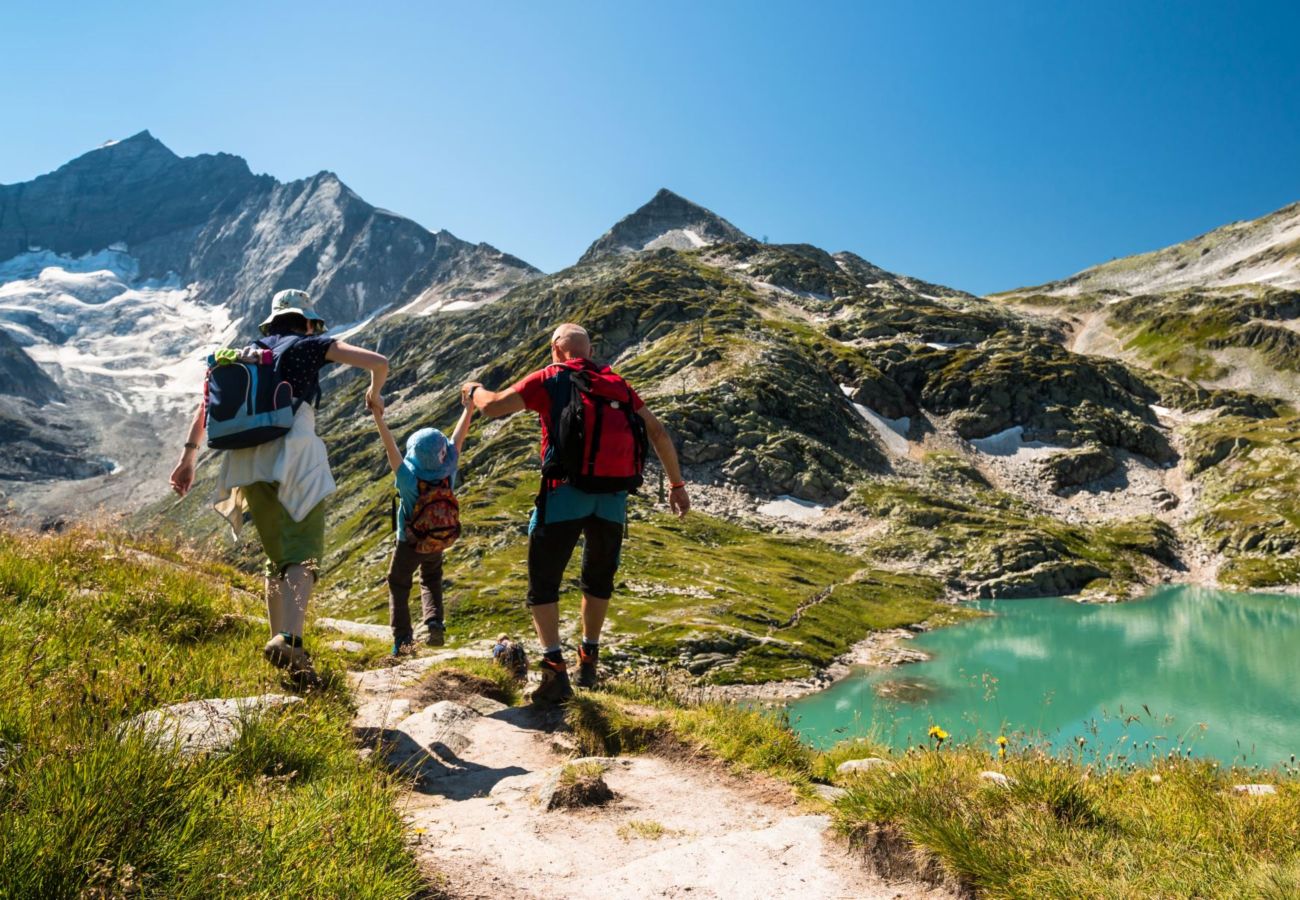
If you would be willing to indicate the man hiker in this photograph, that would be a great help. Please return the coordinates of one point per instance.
(282, 481)
(594, 432)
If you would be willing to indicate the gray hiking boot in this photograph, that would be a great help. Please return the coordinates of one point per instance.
(283, 655)
(437, 633)
(278, 651)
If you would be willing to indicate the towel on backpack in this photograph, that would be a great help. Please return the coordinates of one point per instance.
(298, 463)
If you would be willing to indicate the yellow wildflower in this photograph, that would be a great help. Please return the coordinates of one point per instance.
(938, 733)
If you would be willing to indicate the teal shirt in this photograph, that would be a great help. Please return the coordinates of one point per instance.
(566, 503)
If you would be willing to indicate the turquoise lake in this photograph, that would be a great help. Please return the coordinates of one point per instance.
(1187, 667)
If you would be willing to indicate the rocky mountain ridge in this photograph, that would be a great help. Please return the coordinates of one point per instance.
(666, 220)
(1257, 252)
(120, 269)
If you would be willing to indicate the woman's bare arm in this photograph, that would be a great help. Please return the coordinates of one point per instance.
(182, 478)
(375, 363)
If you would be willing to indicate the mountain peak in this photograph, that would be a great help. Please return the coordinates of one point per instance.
(667, 220)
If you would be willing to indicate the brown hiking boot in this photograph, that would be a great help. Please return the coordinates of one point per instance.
(587, 674)
(555, 687)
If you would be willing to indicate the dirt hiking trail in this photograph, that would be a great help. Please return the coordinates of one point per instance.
(482, 775)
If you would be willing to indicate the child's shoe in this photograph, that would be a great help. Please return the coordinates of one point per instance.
(437, 633)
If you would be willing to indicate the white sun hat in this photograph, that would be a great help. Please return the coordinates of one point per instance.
(292, 302)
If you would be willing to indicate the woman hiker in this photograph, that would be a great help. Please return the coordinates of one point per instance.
(283, 483)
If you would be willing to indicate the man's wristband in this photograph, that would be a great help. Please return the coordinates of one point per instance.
(676, 485)
(471, 394)
(190, 445)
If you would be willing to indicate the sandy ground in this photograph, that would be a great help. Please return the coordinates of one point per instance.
(477, 768)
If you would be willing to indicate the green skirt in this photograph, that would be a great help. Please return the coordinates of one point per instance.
(286, 542)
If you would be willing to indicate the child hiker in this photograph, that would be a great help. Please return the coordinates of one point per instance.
(428, 522)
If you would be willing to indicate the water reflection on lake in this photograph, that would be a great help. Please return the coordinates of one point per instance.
(1217, 670)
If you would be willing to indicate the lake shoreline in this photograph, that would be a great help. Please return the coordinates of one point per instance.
(878, 650)
(887, 650)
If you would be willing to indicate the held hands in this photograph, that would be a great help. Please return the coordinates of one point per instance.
(466, 390)
(375, 403)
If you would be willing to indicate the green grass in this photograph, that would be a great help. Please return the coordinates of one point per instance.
(1063, 828)
(1066, 830)
(94, 630)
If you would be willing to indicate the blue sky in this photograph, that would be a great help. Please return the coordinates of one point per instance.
(982, 145)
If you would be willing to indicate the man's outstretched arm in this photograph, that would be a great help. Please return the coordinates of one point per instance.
(679, 501)
(492, 403)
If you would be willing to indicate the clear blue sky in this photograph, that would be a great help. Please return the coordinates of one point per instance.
(983, 145)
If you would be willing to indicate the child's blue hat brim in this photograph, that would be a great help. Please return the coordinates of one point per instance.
(430, 456)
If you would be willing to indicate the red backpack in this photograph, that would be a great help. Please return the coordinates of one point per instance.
(597, 442)
(434, 524)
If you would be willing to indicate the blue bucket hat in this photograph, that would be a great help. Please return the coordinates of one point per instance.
(430, 456)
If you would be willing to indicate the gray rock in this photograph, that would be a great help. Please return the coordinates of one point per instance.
(344, 646)
(997, 778)
(854, 766)
(355, 629)
(829, 792)
(1254, 790)
(204, 726)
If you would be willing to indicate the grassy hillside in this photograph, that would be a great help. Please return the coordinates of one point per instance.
(754, 355)
(96, 628)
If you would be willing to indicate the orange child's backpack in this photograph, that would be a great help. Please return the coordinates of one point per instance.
(434, 524)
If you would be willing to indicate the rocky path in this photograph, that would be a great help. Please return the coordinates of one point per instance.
(482, 774)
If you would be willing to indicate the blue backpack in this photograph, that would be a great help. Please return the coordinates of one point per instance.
(246, 401)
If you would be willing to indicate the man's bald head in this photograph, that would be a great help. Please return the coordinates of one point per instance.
(570, 341)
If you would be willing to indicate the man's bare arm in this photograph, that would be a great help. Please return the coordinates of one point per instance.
(494, 404)
(679, 500)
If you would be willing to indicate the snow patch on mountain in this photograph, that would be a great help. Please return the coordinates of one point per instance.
(103, 335)
(892, 432)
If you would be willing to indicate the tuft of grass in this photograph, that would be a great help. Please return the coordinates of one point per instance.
(1062, 829)
(572, 773)
(603, 725)
(94, 630)
(645, 829)
(749, 739)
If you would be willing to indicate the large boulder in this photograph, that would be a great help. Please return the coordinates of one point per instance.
(204, 726)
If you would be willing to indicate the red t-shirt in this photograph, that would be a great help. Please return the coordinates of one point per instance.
(537, 396)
